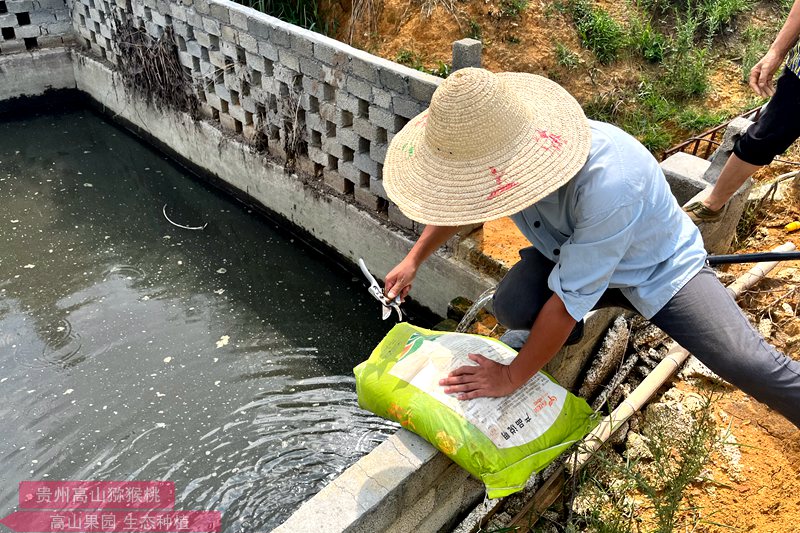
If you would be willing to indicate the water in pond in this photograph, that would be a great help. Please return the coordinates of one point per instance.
(132, 349)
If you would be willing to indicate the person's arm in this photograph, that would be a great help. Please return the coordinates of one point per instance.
(762, 73)
(399, 279)
(489, 378)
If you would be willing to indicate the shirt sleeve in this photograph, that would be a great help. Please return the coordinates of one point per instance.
(590, 256)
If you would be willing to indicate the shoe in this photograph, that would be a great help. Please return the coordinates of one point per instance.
(698, 212)
(576, 335)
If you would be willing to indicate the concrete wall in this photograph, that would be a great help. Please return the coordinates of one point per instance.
(254, 73)
(31, 74)
(32, 24)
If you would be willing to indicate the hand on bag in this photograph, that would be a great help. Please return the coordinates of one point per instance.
(487, 379)
(398, 281)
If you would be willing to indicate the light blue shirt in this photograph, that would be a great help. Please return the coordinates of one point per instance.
(615, 224)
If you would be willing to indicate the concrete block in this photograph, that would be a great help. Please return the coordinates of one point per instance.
(42, 17)
(358, 88)
(12, 47)
(289, 59)
(393, 81)
(346, 102)
(718, 236)
(229, 34)
(684, 173)
(227, 122)
(422, 90)
(258, 27)
(376, 187)
(26, 32)
(317, 155)
(310, 68)
(349, 171)
(364, 67)
(333, 147)
(365, 164)
(202, 37)
(366, 129)
(407, 108)
(466, 53)
(381, 98)
(333, 76)
(178, 10)
(336, 181)
(735, 129)
(385, 119)
(367, 199)
(301, 43)
(24, 6)
(248, 42)
(377, 151)
(238, 19)
(220, 12)
(212, 26)
(348, 137)
(328, 111)
(396, 216)
(268, 50)
(280, 34)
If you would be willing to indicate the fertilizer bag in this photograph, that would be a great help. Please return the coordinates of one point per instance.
(500, 441)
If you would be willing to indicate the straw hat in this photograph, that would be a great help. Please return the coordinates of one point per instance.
(488, 146)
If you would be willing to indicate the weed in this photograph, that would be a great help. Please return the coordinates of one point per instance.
(409, 58)
(512, 39)
(599, 32)
(512, 8)
(717, 14)
(305, 13)
(686, 64)
(755, 45)
(474, 31)
(675, 453)
(566, 57)
(699, 120)
(643, 39)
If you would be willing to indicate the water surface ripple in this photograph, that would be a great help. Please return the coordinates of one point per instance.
(219, 359)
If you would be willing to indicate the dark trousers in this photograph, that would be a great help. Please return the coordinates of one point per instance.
(777, 128)
(702, 317)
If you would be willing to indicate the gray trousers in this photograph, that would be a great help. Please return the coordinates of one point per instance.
(702, 317)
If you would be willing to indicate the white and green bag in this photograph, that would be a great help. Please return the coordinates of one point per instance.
(500, 441)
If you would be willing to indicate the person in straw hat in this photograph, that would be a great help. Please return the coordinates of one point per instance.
(604, 226)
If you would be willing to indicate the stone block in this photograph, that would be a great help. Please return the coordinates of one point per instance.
(220, 12)
(384, 118)
(466, 53)
(317, 155)
(684, 173)
(393, 81)
(364, 197)
(332, 147)
(336, 181)
(238, 19)
(362, 66)
(397, 217)
(358, 88)
(366, 129)
(381, 98)
(365, 164)
(735, 129)
(422, 90)
(301, 42)
(407, 108)
(289, 59)
(376, 187)
(346, 102)
(348, 137)
(310, 67)
(268, 50)
(248, 42)
(229, 34)
(258, 27)
(212, 26)
(377, 151)
(227, 122)
(349, 171)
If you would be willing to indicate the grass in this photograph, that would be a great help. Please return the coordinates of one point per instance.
(414, 60)
(512, 8)
(598, 31)
(613, 492)
(304, 13)
(566, 57)
(474, 30)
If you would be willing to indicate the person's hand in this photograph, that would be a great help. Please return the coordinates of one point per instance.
(487, 379)
(398, 281)
(763, 71)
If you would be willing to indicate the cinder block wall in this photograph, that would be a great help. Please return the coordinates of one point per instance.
(32, 24)
(262, 78)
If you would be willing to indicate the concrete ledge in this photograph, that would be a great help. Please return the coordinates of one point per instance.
(684, 173)
(33, 73)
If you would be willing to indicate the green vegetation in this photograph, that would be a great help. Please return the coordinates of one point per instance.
(304, 13)
(512, 8)
(566, 57)
(412, 59)
(599, 32)
(474, 31)
(673, 449)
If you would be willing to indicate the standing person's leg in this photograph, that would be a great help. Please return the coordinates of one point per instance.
(703, 318)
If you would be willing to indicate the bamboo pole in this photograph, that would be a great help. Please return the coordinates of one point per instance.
(550, 490)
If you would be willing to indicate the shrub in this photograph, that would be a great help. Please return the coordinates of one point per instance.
(599, 32)
(566, 57)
